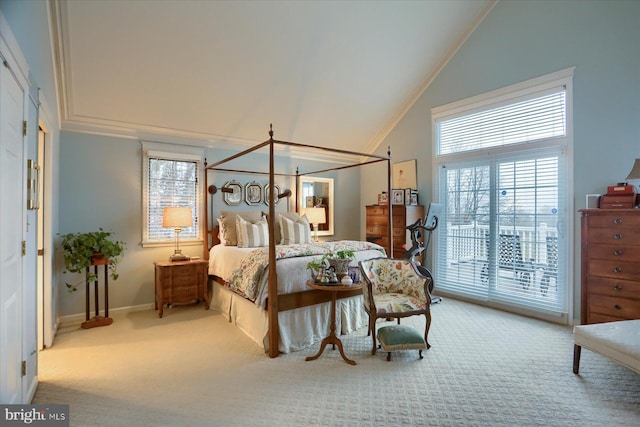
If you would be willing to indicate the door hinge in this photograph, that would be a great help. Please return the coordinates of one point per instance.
(40, 252)
(24, 368)
(24, 128)
(24, 248)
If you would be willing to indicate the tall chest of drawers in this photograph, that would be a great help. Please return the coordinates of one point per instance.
(378, 226)
(610, 265)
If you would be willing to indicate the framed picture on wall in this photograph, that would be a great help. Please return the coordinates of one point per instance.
(234, 198)
(253, 193)
(404, 174)
(276, 192)
(397, 197)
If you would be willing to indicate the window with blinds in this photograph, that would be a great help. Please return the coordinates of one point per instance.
(502, 179)
(170, 179)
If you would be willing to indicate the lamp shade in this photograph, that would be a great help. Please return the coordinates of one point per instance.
(635, 171)
(177, 217)
(315, 215)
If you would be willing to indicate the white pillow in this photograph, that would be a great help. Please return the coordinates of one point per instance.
(252, 235)
(295, 231)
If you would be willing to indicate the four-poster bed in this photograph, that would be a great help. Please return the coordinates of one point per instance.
(281, 298)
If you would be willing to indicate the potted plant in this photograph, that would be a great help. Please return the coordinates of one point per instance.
(81, 249)
(340, 261)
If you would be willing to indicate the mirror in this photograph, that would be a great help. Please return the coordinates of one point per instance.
(318, 192)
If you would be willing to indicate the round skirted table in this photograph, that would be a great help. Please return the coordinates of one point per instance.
(333, 338)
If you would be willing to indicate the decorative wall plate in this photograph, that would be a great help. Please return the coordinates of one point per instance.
(235, 198)
(253, 193)
(276, 191)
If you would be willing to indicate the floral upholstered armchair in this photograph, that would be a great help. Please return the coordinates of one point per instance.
(394, 289)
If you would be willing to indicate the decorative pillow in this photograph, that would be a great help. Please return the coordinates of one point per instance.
(222, 234)
(278, 232)
(295, 231)
(228, 235)
(252, 235)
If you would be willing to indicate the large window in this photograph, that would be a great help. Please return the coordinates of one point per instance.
(171, 177)
(502, 162)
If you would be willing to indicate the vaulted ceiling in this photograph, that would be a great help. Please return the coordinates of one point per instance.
(330, 73)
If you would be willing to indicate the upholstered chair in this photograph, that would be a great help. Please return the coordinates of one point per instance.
(394, 289)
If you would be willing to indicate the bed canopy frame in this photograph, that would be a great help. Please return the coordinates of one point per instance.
(275, 302)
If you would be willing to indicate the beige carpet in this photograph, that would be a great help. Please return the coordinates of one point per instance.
(192, 368)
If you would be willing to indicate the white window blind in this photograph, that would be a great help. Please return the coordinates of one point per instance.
(502, 169)
(170, 179)
(533, 119)
(171, 183)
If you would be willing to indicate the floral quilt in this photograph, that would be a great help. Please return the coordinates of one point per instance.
(245, 279)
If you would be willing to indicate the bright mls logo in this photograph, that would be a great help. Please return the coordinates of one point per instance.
(34, 415)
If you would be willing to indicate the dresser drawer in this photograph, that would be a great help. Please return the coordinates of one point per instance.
(615, 252)
(399, 232)
(622, 236)
(183, 293)
(377, 230)
(602, 318)
(376, 211)
(614, 287)
(379, 240)
(614, 269)
(614, 221)
(612, 306)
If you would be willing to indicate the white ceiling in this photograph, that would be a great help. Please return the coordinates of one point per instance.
(330, 73)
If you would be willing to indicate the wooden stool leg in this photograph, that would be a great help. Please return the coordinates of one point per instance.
(576, 358)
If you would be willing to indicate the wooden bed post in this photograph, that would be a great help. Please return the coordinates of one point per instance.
(389, 198)
(274, 332)
(205, 217)
(297, 189)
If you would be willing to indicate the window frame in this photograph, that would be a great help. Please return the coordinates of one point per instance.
(504, 96)
(174, 153)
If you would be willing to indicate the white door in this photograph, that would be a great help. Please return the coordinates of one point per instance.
(12, 208)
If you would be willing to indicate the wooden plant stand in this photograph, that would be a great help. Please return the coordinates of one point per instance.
(98, 320)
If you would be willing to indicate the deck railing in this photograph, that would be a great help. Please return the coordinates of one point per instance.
(469, 242)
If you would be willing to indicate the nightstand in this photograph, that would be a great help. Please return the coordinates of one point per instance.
(181, 282)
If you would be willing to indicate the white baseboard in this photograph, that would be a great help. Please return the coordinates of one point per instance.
(76, 319)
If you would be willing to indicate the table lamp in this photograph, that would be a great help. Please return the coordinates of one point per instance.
(315, 216)
(177, 218)
(634, 176)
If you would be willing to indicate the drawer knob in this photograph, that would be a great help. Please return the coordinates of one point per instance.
(617, 307)
(617, 252)
(617, 288)
(618, 221)
(618, 236)
(617, 270)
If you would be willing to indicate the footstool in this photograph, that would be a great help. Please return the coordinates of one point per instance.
(400, 337)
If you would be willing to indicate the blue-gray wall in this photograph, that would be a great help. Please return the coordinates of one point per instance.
(520, 40)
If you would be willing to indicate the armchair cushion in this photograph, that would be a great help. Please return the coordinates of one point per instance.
(397, 303)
